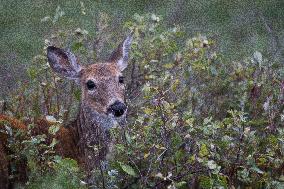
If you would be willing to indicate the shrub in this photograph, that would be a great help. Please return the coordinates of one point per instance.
(195, 119)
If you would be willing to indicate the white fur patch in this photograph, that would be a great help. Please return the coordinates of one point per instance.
(122, 62)
(73, 61)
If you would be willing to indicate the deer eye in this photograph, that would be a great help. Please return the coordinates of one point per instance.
(121, 79)
(91, 85)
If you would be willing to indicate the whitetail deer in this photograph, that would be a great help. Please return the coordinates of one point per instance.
(102, 107)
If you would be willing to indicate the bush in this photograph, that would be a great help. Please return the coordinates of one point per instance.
(64, 175)
(195, 120)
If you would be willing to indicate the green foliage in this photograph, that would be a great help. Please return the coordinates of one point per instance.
(195, 118)
(127, 169)
(46, 170)
(64, 175)
(199, 119)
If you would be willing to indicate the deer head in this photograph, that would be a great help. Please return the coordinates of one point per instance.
(101, 84)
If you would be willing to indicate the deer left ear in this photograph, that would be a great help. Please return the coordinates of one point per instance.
(121, 54)
(63, 62)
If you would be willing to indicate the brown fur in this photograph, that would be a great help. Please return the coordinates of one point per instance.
(66, 138)
(4, 167)
(4, 152)
(67, 146)
(105, 76)
(87, 139)
(70, 145)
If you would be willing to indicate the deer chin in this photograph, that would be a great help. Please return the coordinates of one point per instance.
(105, 121)
(118, 121)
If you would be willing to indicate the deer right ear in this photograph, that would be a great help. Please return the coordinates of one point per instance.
(63, 63)
(121, 54)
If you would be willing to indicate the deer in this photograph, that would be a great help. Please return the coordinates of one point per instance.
(102, 107)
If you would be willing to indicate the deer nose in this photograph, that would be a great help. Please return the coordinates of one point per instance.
(117, 108)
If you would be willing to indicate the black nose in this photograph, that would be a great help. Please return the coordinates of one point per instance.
(117, 108)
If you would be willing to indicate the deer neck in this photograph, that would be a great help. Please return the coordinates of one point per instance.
(93, 135)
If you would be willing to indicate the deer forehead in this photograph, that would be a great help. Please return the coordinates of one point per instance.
(100, 71)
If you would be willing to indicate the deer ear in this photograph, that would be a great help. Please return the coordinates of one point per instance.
(120, 55)
(63, 62)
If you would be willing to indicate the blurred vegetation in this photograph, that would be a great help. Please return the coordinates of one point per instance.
(205, 91)
(239, 27)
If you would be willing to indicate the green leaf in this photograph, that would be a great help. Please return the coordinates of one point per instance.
(53, 143)
(53, 129)
(181, 185)
(205, 182)
(76, 46)
(203, 150)
(168, 66)
(128, 138)
(77, 94)
(127, 169)
(256, 169)
(211, 164)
